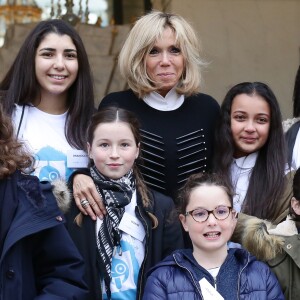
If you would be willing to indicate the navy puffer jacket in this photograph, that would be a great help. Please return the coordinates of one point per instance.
(174, 278)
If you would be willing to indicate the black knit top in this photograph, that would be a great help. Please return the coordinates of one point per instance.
(175, 144)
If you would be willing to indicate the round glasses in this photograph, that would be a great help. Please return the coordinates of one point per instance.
(202, 214)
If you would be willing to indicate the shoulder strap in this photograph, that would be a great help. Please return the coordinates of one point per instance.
(19, 119)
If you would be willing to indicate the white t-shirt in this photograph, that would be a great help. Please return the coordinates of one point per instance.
(125, 268)
(44, 135)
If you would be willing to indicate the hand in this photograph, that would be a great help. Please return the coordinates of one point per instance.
(84, 188)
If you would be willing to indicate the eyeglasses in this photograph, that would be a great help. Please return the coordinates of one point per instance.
(201, 214)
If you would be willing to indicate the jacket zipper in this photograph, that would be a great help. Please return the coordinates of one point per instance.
(195, 284)
(239, 278)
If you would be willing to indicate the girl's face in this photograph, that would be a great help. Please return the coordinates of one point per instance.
(165, 63)
(56, 64)
(113, 149)
(210, 236)
(250, 123)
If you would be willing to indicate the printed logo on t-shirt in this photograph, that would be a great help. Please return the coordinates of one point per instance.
(125, 269)
(51, 164)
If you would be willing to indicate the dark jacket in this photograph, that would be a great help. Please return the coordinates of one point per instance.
(160, 242)
(39, 259)
(175, 143)
(278, 246)
(175, 278)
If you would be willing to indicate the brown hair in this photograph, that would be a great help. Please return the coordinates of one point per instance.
(13, 154)
(115, 114)
(201, 179)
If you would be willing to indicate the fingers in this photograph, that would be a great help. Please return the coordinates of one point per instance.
(84, 189)
(78, 204)
(89, 211)
(97, 204)
(84, 203)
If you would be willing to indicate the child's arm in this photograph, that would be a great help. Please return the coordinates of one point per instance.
(155, 288)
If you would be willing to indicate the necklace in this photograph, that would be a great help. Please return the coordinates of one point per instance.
(240, 182)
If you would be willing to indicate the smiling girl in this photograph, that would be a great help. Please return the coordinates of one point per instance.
(46, 91)
(251, 151)
(210, 270)
(137, 231)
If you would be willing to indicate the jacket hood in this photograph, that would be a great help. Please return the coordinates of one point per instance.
(62, 194)
(254, 237)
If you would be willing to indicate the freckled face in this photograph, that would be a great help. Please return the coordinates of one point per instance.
(212, 234)
(250, 123)
(56, 64)
(165, 63)
(113, 149)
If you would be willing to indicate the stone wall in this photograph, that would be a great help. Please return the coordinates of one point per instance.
(247, 40)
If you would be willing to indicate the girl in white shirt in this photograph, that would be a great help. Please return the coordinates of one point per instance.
(48, 91)
(250, 150)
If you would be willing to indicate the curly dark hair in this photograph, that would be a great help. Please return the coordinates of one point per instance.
(13, 154)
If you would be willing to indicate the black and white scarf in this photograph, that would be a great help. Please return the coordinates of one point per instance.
(116, 194)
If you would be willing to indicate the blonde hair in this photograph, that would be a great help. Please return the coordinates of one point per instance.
(146, 31)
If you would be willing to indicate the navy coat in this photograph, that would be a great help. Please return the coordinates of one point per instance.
(39, 259)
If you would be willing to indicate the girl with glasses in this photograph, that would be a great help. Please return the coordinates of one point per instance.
(210, 270)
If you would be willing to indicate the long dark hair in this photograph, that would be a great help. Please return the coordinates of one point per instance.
(267, 183)
(296, 95)
(20, 85)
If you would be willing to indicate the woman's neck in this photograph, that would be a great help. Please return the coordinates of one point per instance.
(210, 259)
(52, 104)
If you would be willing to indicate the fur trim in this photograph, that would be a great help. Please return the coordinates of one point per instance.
(286, 124)
(62, 194)
(257, 240)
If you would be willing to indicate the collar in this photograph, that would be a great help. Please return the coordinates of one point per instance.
(246, 162)
(170, 102)
(285, 228)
